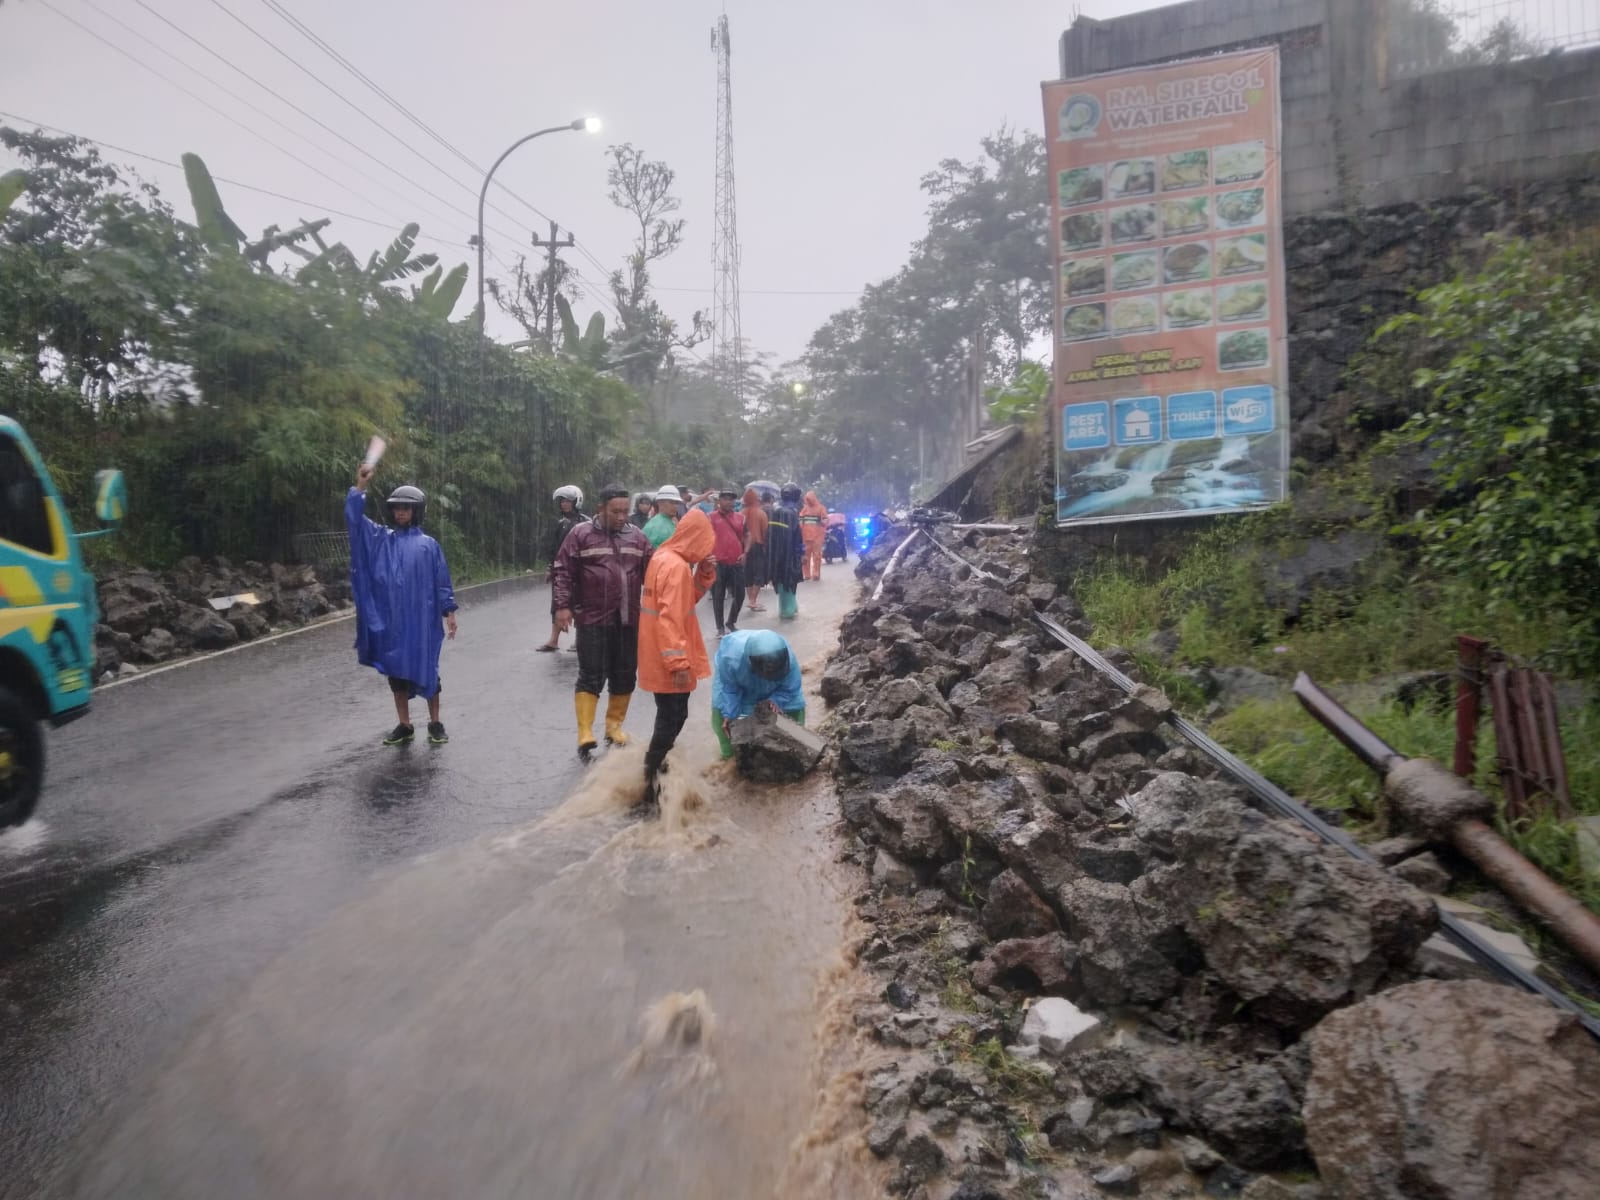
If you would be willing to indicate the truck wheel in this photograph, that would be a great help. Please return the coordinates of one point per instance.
(21, 760)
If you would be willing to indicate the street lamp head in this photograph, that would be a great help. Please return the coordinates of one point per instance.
(587, 124)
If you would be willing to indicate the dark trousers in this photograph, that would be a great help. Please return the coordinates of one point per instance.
(608, 658)
(672, 710)
(730, 581)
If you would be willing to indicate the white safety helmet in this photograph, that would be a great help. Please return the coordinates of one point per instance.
(569, 492)
(669, 493)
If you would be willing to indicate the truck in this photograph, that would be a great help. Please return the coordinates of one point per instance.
(48, 613)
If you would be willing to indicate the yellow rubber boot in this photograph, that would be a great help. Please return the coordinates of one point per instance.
(585, 703)
(616, 710)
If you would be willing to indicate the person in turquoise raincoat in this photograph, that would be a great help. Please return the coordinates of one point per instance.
(404, 602)
(754, 667)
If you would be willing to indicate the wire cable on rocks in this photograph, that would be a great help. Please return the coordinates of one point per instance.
(1269, 794)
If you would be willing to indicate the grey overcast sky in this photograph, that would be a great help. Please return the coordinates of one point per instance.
(839, 108)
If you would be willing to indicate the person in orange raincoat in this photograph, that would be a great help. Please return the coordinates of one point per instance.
(672, 654)
(813, 513)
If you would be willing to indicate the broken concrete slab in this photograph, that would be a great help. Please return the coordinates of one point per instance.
(773, 749)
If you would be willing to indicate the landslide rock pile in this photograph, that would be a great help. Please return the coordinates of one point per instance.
(150, 617)
(1031, 831)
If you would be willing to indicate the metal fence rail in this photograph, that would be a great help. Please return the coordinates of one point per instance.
(322, 550)
(1437, 35)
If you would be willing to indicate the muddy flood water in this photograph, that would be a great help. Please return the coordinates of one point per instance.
(588, 1006)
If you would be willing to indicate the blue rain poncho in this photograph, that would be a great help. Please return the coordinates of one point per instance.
(402, 592)
(736, 689)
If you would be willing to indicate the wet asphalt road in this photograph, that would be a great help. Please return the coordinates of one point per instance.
(200, 821)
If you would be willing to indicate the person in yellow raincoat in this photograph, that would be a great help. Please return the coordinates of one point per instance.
(672, 652)
(812, 515)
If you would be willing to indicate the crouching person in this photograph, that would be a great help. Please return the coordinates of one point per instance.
(754, 668)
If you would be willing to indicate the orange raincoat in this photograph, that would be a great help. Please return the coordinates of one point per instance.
(680, 572)
(812, 515)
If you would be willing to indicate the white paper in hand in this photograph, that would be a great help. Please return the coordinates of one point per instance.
(375, 449)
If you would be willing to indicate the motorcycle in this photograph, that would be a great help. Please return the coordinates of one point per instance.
(833, 545)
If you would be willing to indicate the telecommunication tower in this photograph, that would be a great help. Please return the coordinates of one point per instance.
(726, 347)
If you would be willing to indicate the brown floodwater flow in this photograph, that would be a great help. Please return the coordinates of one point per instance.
(590, 1005)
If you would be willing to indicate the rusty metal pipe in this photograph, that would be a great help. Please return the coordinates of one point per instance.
(1531, 888)
(1357, 738)
(1446, 808)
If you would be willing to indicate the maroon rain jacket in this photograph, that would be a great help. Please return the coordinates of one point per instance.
(598, 574)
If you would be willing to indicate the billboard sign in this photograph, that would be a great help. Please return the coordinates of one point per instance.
(1171, 344)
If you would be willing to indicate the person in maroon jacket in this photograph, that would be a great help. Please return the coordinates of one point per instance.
(596, 577)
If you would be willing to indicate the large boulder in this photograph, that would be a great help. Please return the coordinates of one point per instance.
(1013, 909)
(247, 622)
(1463, 1089)
(892, 698)
(1004, 684)
(845, 677)
(134, 603)
(1040, 964)
(1294, 927)
(203, 629)
(880, 747)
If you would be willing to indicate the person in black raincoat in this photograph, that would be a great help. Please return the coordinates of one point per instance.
(569, 502)
(784, 550)
(404, 601)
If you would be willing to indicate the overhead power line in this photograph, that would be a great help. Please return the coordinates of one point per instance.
(248, 103)
(324, 84)
(208, 104)
(249, 187)
(378, 90)
(312, 117)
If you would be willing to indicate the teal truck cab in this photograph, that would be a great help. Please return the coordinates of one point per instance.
(48, 613)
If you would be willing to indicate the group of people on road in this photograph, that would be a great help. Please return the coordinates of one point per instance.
(627, 580)
(630, 579)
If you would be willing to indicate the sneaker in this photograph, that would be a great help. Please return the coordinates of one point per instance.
(401, 736)
(436, 734)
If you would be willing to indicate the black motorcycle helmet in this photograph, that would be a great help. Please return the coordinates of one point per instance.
(768, 654)
(413, 497)
(791, 493)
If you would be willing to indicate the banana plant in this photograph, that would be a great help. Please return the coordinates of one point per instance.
(12, 185)
(588, 348)
(437, 294)
(221, 234)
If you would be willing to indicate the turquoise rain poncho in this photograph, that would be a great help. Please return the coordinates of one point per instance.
(736, 689)
(402, 592)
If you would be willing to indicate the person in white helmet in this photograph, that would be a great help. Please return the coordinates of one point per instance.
(569, 505)
(669, 507)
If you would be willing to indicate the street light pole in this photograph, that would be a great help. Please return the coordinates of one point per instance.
(584, 124)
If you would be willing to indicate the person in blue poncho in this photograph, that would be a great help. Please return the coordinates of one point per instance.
(404, 601)
(754, 667)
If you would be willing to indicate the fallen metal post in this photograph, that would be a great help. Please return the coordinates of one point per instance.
(1445, 807)
(894, 561)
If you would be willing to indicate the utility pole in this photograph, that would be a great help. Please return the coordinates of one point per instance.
(553, 249)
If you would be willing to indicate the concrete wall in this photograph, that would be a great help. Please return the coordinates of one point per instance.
(1352, 136)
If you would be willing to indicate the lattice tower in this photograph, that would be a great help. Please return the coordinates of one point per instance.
(726, 346)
